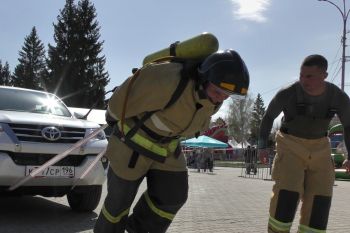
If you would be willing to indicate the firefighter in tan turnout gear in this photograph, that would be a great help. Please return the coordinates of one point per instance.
(302, 168)
(166, 101)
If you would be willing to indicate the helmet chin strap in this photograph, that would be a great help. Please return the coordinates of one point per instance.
(201, 90)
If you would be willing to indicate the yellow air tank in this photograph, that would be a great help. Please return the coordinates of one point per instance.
(197, 47)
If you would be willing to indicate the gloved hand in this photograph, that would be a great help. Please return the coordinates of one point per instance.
(346, 165)
(110, 120)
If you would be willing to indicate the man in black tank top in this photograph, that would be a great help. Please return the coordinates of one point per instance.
(303, 168)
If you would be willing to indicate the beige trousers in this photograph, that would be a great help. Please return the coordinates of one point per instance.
(302, 166)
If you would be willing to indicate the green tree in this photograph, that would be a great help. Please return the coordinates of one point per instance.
(257, 115)
(77, 72)
(5, 74)
(239, 115)
(31, 71)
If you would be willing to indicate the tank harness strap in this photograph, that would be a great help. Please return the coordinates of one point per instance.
(301, 106)
(134, 157)
(175, 96)
(332, 110)
(144, 146)
(172, 48)
(154, 135)
(138, 124)
(179, 89)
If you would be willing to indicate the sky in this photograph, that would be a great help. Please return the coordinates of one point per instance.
(272, 36)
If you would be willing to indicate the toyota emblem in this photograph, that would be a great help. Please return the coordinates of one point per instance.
(51, 133)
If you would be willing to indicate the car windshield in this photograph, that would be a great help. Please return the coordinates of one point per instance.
(31, 101)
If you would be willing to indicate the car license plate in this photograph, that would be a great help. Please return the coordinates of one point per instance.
(53, 171)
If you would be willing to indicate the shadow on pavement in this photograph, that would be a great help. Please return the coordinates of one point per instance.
(36, 214)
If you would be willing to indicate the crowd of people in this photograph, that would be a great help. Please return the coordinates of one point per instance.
(201, 159)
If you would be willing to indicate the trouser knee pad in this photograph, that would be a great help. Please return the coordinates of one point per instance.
(286, 205)
(320, 212)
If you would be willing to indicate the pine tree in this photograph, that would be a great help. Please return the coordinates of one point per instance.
(76, 67)
(5, 74)
(31, 71)
(257, 115)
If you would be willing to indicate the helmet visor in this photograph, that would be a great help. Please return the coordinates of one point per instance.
(222, 90)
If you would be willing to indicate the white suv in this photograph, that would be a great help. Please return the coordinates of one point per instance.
(34, 127)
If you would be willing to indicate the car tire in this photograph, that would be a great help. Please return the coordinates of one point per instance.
(84, 199)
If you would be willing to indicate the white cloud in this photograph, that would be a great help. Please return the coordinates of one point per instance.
(251, 9)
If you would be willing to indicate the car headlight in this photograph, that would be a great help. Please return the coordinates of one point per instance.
(100, 136)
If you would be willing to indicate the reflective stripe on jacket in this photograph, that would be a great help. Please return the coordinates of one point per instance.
(148, 148)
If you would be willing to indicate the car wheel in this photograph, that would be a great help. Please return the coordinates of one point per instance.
(83, 199)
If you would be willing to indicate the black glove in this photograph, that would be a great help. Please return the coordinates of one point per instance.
(110, 120)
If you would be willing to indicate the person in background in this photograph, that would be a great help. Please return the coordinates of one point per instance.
(211, 161)
(248, 159)
(198, 160)
(302, 167)
(206, 157)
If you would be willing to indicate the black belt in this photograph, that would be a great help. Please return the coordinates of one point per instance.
(286, 131)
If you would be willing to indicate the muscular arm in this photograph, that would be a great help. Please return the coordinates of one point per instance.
(347, 139)
(344, 116)
(273, 110)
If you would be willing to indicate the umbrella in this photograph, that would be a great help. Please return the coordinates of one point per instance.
(204, 141)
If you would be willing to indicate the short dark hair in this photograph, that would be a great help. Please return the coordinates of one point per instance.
(316, 60)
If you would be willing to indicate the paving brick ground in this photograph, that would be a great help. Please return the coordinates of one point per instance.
(218, 202)
(225, 202)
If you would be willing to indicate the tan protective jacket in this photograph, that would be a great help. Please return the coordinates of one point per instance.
(151, 91)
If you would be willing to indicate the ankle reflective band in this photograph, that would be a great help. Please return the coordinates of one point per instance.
(111, 218)
(159, 212)
(306, 229)
(280, 226)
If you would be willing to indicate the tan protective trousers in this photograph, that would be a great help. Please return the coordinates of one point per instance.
(303, 171)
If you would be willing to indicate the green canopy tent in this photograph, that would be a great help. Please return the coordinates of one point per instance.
(204, 141)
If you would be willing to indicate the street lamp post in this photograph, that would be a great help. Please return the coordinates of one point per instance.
(344, 15)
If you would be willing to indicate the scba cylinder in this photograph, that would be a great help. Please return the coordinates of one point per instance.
(197, 47)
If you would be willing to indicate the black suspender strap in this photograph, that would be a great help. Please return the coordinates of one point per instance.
(301, 107)
(138, 124)
(179, 89)
(175, 96)
(154, 135)
(332, 102)
(172, 48)
(133, 159)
